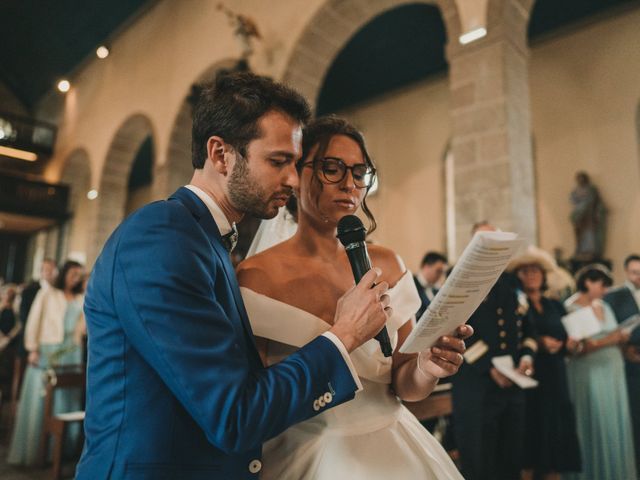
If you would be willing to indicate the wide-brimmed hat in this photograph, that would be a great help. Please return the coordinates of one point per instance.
(533, 256)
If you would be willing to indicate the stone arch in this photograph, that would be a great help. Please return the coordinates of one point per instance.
(332, 27)
(177, 169)
(76, 173)
(115, 175)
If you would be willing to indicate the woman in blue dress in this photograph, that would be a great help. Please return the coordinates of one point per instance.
(597, 385)
(52, 338)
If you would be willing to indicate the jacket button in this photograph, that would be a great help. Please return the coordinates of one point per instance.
(328, 398)
(255, 466)
(501, 322)
(503, 334)
(503, 346)
(321, 401)
(316, 406)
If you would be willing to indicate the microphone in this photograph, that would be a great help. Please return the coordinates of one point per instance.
(351, 234)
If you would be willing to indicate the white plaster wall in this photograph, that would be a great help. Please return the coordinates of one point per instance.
(585, 89)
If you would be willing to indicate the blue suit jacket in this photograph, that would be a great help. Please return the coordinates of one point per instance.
(175, 385)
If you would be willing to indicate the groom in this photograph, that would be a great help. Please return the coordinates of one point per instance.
(175, 385)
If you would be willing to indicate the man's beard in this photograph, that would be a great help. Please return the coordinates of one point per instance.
(247, 195)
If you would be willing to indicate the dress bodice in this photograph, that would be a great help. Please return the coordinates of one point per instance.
(288, 328)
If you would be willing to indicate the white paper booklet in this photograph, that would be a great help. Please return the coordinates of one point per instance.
(582, 323)
(504, 364)
(477, 270)
(630, 324)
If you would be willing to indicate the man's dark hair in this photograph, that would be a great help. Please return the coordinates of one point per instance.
(60, 280)
(231, 107)
(631, 258)
(433, 257)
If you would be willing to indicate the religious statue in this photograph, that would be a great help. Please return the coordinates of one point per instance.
(589, 216)
(245, 29)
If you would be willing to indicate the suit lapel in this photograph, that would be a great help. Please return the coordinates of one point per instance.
(201, 212)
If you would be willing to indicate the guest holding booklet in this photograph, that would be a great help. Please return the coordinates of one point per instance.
(597, 385)
(551, 442)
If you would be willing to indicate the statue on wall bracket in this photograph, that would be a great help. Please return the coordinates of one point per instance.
(589, 220)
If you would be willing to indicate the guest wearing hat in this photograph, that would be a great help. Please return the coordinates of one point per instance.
(598, 387)
(551, 442)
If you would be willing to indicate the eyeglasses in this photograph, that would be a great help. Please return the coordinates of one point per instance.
(333, 170)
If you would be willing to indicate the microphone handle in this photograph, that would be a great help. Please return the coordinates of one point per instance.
(361, 264)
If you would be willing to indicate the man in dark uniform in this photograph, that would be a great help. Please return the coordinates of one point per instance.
(489, 411)
(625, 302)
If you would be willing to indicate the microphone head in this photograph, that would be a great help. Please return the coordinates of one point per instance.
(351, 230)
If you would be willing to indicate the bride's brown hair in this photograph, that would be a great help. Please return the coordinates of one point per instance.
(320, 132)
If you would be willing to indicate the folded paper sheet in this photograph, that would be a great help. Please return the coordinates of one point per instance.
(477, 270)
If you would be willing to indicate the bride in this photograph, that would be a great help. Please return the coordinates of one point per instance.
(291, 290)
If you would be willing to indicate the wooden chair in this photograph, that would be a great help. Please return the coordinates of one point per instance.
(55, 426)
(438, 404)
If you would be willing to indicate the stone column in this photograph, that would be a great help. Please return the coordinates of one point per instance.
(491, 141)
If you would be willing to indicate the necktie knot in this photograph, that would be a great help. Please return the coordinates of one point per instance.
(229, 240)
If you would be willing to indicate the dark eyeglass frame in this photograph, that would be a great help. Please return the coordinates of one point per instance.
(371, 171)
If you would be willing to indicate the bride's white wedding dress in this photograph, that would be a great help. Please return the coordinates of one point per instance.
(371, 437)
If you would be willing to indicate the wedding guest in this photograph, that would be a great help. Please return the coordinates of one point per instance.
(48, 274)
(551, 441)
(9, 328)
(374, 437)
(598, 387)
(428, 278)
(488, 409)
(51, 339)
(8, 317)
(625, 302)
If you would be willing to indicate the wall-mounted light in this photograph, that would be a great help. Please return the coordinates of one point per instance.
(473, 35)
(92, 194)
(102, 52)
(64, 86)
(19, 154)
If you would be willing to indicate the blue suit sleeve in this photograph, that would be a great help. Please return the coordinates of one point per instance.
(164, 283)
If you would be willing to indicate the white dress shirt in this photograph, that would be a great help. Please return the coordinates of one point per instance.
(225, 227)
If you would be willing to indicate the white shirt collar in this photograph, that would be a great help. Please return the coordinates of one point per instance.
(631, 286)
(216, 212)
(423, 281)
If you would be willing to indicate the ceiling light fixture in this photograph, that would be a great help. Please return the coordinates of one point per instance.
(64, 86)
(102, 52)
(19, 154)
(473, 35)
(92, 194)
